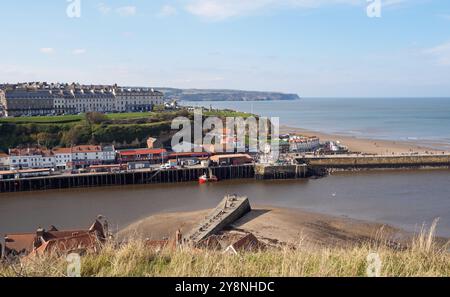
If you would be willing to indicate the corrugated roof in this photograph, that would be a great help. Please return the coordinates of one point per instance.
(142, 152)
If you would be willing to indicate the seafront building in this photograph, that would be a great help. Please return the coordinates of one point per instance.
(153, 156)
(39, 99)
(63, 158)
(4, 161)
(58, 159)
(303, 143)
(31, 158)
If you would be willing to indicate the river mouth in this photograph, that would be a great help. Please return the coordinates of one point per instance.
(404, 199)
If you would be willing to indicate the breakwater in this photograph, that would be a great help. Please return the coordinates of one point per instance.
(229, 210)
(356, 162)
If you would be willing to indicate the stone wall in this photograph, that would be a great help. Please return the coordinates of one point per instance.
(415, 161)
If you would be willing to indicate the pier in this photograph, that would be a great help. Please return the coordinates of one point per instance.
(141, 177)
(144, 177)
(361, 162)
(227, 212)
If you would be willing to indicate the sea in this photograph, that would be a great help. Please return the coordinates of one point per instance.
(425, 121)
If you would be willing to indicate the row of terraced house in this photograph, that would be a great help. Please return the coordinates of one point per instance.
(39, 99)
(88, 156)
(58, 159)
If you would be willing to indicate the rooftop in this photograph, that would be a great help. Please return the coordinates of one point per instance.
(86, 149)
(142, 152)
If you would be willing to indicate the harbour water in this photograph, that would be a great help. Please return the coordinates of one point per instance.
(404, 199)
(422, 120)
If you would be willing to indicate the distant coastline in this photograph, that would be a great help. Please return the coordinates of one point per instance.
(225, 95)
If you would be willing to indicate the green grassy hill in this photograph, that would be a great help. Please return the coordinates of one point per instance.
(121, 129)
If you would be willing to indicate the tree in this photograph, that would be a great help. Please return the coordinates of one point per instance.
(95, 118)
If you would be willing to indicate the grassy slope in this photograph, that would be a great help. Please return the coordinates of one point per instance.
(113, 117)
(73, 118)
(423, 258)
(128, 128)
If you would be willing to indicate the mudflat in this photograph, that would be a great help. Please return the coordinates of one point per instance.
(276, 225)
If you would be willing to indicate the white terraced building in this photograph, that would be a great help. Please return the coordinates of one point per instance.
(59, 158)
(32, 99)
(30, 159)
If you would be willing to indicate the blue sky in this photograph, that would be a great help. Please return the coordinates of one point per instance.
(310, 47)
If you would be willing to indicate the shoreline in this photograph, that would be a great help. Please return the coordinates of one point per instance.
(280, 226)
(366, 145)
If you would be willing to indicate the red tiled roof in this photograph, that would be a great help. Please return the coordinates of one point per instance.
(142, 152)
(55, 240)
(87, 149)
(62, 150)
(26, 152)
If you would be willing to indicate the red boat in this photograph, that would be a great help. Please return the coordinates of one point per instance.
(207, 179)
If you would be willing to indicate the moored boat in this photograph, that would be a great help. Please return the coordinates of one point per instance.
(207, 179)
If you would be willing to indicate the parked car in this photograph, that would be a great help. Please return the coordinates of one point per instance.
(167, 166)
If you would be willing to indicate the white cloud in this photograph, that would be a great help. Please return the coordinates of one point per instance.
(123, 11)
(103, 8)
(47, 50)
(79, 51)
(219, 9)
(126, 11)
(167, 11)
(441, 53)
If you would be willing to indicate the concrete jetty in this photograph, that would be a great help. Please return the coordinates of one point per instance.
(355, 162)
(230, 209)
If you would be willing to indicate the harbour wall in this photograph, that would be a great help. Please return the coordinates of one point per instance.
(350, 162)
(124, 178)
(150, 177)
(263, 171)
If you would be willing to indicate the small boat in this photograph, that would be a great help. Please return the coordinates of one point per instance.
(207, 179)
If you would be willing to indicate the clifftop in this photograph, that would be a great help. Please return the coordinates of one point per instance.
(224, 95)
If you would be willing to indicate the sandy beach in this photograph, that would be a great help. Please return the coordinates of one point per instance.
(275, 225)
(369, 146)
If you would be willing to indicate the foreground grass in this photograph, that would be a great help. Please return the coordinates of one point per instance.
(422, 258)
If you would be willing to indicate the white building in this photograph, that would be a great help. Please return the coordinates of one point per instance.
(86, 155)
(63, 158)
(60, 158)
(4, 161)
(109, 154)
(134, 99)
(31, 159)
(303, 143)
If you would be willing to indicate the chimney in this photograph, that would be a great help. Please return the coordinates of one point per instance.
(40, 232)
(179, 238)
(151, 143)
